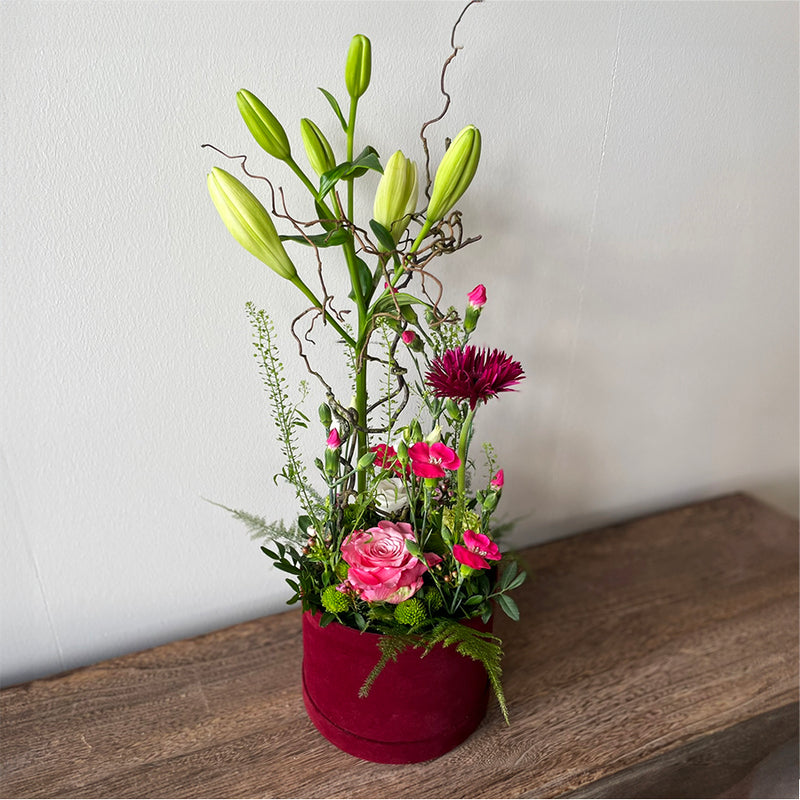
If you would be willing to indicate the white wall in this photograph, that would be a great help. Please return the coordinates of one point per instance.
(638, 203)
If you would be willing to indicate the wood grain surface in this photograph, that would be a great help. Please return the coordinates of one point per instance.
(655, 658)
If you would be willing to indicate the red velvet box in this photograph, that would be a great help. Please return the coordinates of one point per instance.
(418, 708)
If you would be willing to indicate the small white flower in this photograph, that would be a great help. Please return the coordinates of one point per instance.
(390, 496)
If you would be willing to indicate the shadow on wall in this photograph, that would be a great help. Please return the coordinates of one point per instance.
(646, 392)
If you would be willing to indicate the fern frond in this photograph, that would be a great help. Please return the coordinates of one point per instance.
(477, 645)
(260, 528)
(391, 646)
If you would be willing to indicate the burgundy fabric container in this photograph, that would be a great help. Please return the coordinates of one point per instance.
(417, 709)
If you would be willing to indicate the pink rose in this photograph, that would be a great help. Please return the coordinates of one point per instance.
(381, 568)
(475, 551)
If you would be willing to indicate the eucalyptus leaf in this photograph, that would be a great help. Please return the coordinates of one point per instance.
(508, 573)
(509, 606)
(304, 522)
(517, 582)
(475, 600)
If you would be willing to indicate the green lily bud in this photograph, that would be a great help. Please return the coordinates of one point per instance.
(455, 172)
(396, 198)
(319, 152)
(249, 222)
(266, 130)
(358, 68)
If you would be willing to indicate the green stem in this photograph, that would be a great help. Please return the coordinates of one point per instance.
(351, 129)
(358, 346)
(420, 236)
(361, 408)
(463, 442)
(325, 315)
(363, 316)
(310, 186)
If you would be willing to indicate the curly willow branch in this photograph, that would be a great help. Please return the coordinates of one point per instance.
(446, 64)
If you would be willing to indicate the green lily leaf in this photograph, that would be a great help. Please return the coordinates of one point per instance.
(333, 239)
(330, 178)
(335, 106)
(368, 158)
(382, 235)
(364, 280)
(387, 302)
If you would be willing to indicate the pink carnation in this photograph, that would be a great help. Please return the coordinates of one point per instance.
(431, 460)
(498, 480)
(333, 441)
(381, 568)
(386, 457)
(408, 336)
(475, 551)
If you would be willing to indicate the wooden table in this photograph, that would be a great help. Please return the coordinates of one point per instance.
(656, 658)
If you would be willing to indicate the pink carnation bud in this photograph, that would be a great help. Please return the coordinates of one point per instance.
(408, 336)
(334, 442)
(477, 297)
(391, 288)
(498, 480)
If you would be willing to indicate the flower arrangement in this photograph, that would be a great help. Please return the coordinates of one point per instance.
(398, 536)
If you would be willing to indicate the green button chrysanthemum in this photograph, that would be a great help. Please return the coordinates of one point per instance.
(334, 601)
(410, 612)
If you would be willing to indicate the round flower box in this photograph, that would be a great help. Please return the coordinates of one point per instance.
(417, 709)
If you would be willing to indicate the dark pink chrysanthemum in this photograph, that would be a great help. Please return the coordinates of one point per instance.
(471, 374)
